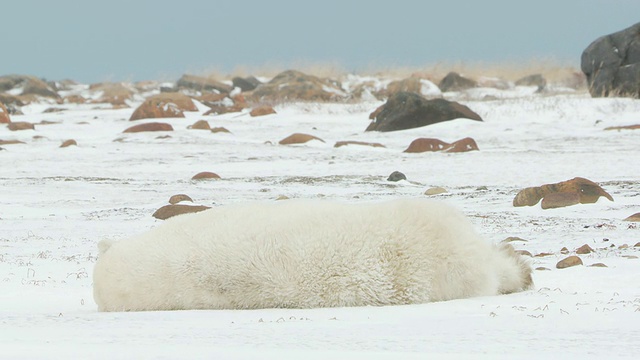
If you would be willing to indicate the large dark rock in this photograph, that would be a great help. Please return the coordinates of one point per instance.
(246, 84)
(456, 82)
(28, 85)
(405, 110)
(612, 64)
(293, 85)
(198, 83)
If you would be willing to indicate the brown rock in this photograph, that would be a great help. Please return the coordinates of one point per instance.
(69, 142)
(635, 217)
(628, 127)
(4, 115)
(200, 125)
(456, 82)
(543, 254)
(262, 110)
(116, 94)
(564, 250)
(405, 110)
(153, 126)
(584, 249)
(524, 253)
(623, 246)
(220, 129)
(205, 175)
(282, 197)
(542, 268)
(629, 256)
(462, 145)
(222, 109)
(293, 85)
(598, 265)
(435, 191)
(11, 142)
(426, 144)
(168, 211)
(560, 199)
(20, 125)
(350, 142)
(298, 138)
(569, 262)
(514, 238)
(178, 198)
(588, 191)
(164, 105)
(637, 244)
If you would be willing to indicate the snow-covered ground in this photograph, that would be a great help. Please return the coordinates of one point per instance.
(57, 203)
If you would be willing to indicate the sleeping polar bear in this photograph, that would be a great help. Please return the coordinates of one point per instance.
(305, 254)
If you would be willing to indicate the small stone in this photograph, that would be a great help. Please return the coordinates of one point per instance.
(513, 238)
(435, 191)
(205, 175)
(569, 262)
(168, 211)
(542, 268)
(524, 253)
(598, 265)
(564, 250)
(351, 142)
(637, 245)
(584, 249)
(200, 125)
(396, 176)
(69, 142)
(20, 125)
(298, 138)
(153, 126)
(630, 256)
(11, 142)
(179, 198)
(220, 129)
(635, 217)
(482, 188)
(623, 246)
(543, 254)
(282, 197)
(262, 111)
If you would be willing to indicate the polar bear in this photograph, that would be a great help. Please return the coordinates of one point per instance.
(305, 254)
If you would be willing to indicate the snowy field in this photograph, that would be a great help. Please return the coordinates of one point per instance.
(57, 203)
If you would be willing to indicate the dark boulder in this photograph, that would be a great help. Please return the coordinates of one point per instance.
(245, 84)
(612, 64)
(202, 84)
(456, 82)
(405, 110)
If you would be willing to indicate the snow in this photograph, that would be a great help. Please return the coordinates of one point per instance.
(57, 203)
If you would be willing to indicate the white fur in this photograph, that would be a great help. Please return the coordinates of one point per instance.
(305, 254)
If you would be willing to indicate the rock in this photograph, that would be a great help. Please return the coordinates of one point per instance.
(68, 143)
(628, 127)
(293, 85)
(4, 114)
(589, 192)
(533, 80)
(542, 268)
(179, 198)
(635, 217)
(221, 109)
(412, 84)
(569, 262)
(20, 125)
(246, 84)
(396, 176)
(116, 94)
(560, 199)
(362, 143)
(220, 129)
(298, 138)
(462, 145)
(514, 238)
(406, 110)
(153, 126)
(11, 142)
(524, 253)
(629, 256)
(27, 88)
(612, 64)
(584, 249)
(543, 254)
(205, 175)
(623, 246)
(564, 250)
(637, 244)
(601, 265)
(435, 191)
(456, 82)
(202, 84)
(168, 211)
(262, 111)
(164, 105)
(200, 125)
(74, 99)
(427, 144)
(282, 197)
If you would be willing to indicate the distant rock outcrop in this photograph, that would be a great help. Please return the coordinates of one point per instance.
(116, 94)
(202, 84)
(456, 82)
(27, 88)
(411, 84)
(576, 190)
(293, 85)
(164, 105)
(4, 114)
(246, 84)
(533, 80)
(612, 64)
(406, 110)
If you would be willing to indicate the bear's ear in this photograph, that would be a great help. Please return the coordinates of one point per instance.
(104, 245)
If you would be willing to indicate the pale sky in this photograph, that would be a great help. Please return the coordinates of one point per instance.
(116, 40)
